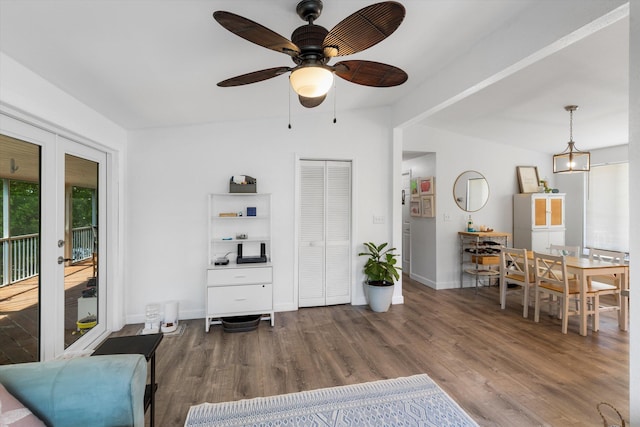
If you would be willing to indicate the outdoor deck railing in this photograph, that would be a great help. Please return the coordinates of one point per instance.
(20, 255)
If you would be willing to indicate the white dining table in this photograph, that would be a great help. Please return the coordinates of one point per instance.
(583, 268)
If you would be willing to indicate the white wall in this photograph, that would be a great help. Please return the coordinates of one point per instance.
(171, 171)
(455, 154)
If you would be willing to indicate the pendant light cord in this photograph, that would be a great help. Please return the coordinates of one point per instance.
(571, 125)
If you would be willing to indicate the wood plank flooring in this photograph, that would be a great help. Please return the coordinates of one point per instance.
(504, 370)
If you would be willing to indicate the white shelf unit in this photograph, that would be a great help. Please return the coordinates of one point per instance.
(239, 289)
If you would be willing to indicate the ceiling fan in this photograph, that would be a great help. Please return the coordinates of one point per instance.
(312, 47)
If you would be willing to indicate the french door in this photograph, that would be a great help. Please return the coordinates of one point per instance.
(80, 199)
(324, 234)
(67, 286)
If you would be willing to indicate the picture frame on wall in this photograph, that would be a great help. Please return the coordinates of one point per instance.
(415, 208)
(425, 186)
(428, 206)
(528, 179)
(414, 188)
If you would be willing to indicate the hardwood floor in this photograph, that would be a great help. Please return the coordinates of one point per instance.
(504, 370)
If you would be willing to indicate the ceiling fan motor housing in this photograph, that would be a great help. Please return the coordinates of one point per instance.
(309, 39)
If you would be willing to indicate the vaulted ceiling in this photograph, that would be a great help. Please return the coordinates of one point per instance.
(144, 64)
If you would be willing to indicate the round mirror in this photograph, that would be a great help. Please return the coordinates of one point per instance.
(471, 191)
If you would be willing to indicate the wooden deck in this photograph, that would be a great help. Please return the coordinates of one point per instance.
(19, 314)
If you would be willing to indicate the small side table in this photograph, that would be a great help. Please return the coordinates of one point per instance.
(145, 345)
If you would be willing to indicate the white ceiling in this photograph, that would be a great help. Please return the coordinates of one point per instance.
(150, 63)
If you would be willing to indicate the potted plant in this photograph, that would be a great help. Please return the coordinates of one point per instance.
(381, 272)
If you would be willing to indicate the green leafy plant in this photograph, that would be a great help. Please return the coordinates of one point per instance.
(380, 268)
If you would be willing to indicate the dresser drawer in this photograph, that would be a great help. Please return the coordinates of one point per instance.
(238, 276)
(232, 300)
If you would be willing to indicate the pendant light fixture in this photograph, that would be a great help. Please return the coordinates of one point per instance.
(571, 159)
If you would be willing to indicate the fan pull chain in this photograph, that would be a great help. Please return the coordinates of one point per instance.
(289, 102)
(335, 92)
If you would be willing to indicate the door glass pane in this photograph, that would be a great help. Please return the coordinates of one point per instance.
(81, 247)
(19, 251)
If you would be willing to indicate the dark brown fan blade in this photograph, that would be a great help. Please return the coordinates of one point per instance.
(255, 33)
(256, 76)
(369, 73)
(311, 102)
(364, 28)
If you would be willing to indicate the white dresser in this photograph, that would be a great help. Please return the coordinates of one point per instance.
(239, 290)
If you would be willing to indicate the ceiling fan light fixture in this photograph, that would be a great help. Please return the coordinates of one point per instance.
(311, 81)
(571, 159)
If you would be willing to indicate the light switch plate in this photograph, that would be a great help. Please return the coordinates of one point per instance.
(378, 219)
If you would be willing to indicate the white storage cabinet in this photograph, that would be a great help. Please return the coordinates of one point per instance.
(239, 289)
(538, 221)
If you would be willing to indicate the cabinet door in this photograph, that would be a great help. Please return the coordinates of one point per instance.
(540, 241)
(539, 207)
(556, 211)
(556, 237)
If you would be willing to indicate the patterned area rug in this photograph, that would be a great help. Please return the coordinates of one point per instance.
(409, 401)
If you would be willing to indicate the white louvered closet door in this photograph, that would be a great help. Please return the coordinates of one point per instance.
(324, 269)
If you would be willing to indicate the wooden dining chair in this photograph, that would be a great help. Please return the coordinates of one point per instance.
(606, 284)
(515, 269)
(564, 250)
(551, 278)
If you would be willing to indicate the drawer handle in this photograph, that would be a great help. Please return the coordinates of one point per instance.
(239, 276)
(240, 299)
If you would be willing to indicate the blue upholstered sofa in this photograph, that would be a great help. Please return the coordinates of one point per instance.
(85, 391)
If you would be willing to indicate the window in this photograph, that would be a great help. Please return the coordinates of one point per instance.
(607, 207)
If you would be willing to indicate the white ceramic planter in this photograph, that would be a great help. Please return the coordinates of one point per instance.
(379, 297)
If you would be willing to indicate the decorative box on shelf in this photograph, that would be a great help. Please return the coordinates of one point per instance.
(242, 184)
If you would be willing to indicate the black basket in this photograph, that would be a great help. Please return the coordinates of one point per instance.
(241, 323)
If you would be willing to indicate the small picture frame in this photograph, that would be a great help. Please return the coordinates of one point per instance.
(428, 206)
(415, 192)
(415, 208)
(528, 179)
(425, 186)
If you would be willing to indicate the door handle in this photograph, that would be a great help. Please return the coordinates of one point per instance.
(63, 259)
